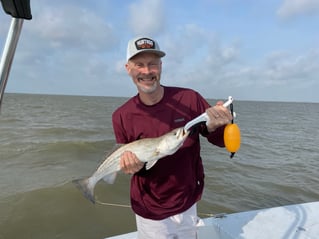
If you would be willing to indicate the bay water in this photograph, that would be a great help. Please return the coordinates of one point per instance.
(46, 141)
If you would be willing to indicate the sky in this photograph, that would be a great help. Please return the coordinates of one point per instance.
(265, 50)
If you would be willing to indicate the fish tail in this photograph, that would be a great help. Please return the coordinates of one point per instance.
(85, 187)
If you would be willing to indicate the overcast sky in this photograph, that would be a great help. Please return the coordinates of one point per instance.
(253, 50)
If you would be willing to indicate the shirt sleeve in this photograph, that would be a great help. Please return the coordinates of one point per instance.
(216, 137)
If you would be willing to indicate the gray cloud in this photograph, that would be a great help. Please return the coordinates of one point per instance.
(73, 47)
(293, 8)
(147, 17)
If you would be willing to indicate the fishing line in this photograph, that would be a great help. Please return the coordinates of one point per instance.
(205, 214)
(112, 204)
(128, 206)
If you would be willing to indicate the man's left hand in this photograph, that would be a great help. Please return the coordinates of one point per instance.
(218, 116)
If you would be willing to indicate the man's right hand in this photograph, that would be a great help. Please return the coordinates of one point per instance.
(129, 163)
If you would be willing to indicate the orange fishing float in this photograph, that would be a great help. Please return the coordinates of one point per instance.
(232, 136)
(231, 131)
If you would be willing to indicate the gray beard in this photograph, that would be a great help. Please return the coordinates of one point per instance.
(149, 90)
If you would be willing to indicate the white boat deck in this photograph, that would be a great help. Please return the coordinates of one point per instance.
(298, 221)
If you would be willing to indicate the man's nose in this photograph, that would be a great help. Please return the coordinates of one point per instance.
(146, 69)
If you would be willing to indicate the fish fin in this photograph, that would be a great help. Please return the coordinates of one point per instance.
(84, 186)
(150, 164)
(110, 178)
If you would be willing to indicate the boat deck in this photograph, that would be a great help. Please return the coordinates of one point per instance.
(298, 221)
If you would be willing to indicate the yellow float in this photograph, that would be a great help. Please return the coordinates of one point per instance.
(232, 138)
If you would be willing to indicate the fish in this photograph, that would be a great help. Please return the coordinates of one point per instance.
(148, 150)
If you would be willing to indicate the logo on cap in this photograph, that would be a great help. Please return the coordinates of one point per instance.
(144, 43)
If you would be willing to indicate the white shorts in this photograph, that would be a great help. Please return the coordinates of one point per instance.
(180, 226)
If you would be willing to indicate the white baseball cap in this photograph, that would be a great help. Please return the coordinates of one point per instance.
(142, 44)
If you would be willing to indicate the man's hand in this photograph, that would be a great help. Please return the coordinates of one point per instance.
(218, 116)
(129, 163)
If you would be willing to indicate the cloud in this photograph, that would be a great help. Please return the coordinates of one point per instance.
(285, 69)
(66, 46)
(197, 56)
(73, 27)
(292, 8)
(147, 17)
(74, 47)
(218, 69)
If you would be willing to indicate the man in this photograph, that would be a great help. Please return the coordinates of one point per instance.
(164, 197)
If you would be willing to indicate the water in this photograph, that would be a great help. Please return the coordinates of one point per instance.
(47, 141)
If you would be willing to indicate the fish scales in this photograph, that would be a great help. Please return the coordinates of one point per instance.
(148, 150)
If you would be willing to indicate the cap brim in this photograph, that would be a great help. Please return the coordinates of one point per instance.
(157, 52)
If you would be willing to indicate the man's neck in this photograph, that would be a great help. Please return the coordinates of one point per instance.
(152, 98)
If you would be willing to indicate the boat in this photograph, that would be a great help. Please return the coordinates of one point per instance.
(297, 221)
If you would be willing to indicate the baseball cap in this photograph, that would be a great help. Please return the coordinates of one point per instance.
(142, 44)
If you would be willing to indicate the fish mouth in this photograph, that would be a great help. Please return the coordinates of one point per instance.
(182, 133)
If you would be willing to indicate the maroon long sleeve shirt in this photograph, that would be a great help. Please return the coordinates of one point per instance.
(175, 182)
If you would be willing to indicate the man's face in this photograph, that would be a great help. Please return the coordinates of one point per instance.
(145, 70)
